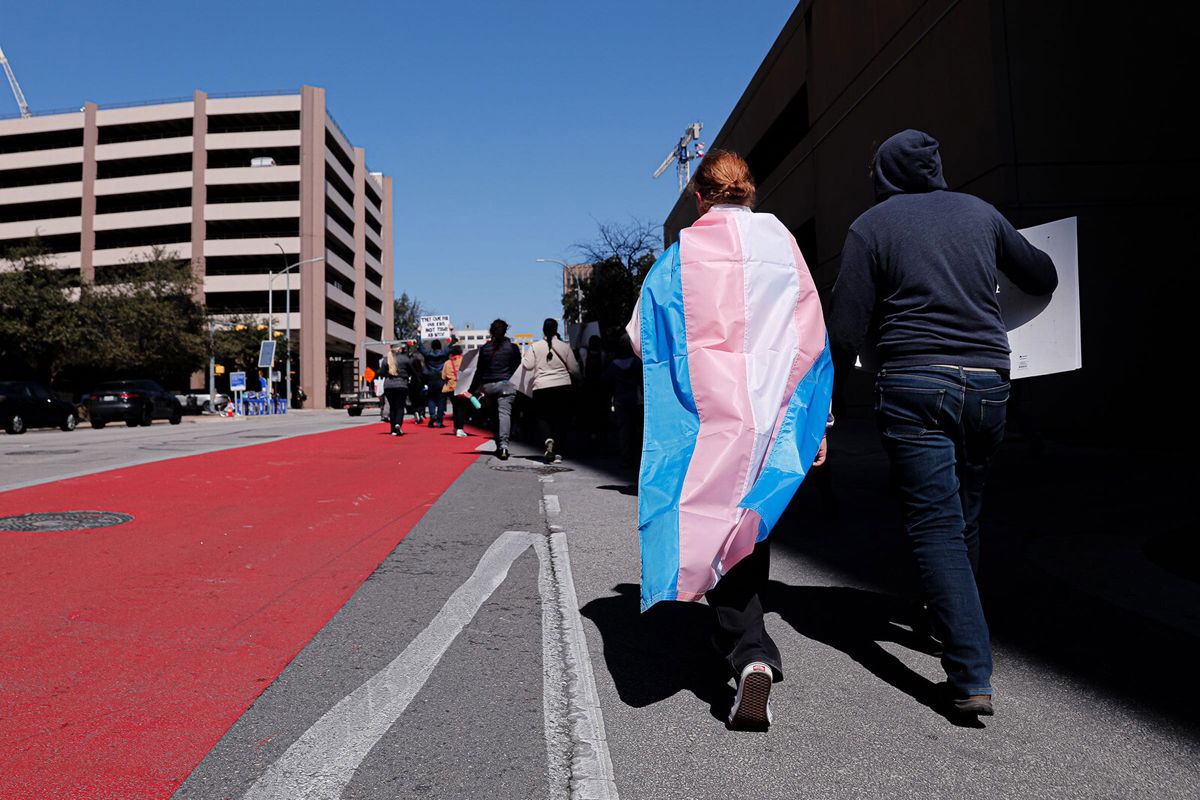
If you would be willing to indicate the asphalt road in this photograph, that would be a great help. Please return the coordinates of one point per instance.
(46, 454)
(498, 652)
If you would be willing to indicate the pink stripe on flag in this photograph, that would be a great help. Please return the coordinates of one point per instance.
(713, 275)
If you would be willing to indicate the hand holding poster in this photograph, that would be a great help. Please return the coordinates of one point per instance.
(1043, 332)
(435, 327)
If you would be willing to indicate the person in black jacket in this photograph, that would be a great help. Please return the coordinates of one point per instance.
(399, 373)
(918, 280)
(499, 358)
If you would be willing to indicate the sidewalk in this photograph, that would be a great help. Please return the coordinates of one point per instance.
(1083, 625)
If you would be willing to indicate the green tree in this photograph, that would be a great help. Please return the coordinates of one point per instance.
(41, 325)
(142, 317)
(408, 316)
(236, 345)
(620, 255)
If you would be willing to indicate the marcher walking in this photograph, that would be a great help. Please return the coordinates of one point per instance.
(498, 360)
(554, 371)
(923, 263)
(398, 374)
(434, 358)
(460, 406)
(737, 383)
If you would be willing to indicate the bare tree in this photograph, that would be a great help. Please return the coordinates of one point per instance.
(620, 255)
(628, 243)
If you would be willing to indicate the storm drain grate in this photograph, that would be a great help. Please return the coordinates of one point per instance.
(63, 521)
(41, 452)
(541, 469)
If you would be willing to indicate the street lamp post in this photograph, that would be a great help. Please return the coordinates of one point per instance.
(573, 280)
(212, 361)
(287, 272)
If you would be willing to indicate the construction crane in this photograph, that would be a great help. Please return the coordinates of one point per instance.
(16, 87)
(683, 154)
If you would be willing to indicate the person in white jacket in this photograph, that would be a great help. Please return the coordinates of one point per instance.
(554, 370)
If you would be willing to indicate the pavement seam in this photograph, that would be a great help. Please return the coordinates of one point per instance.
(591, 770)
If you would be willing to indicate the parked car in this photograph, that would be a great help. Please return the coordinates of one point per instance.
(356, 402)
(25, 405)
(198, 402)
(138, 402)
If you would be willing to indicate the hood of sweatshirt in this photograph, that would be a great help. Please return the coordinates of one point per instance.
(907, 163)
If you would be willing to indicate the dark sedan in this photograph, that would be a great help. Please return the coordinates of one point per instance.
(137, 402)
(25, 405)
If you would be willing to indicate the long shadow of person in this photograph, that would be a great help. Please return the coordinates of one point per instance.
(667, 650)
(855, 621)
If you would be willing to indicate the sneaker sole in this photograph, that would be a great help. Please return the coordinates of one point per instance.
(751, 713)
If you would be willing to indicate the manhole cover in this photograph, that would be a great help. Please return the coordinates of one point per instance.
(41, 452)
(541, 469)
(63, 521)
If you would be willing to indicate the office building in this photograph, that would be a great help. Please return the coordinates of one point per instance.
(240, 185)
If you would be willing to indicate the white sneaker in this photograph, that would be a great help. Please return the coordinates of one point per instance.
(460, 433)
(752, 708)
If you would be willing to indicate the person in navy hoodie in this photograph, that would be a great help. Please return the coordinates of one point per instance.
(918, 280)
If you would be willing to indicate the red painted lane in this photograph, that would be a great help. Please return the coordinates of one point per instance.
(127, 652)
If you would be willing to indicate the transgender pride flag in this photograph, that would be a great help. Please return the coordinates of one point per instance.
(737, 380)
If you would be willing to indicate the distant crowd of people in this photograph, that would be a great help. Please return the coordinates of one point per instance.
(584, 399)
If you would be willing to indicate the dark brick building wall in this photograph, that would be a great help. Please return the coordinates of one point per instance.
(1045, 109)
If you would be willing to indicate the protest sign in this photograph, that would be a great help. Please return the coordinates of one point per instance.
(435, 327)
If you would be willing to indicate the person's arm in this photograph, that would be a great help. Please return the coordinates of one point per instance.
(853, 301)
(1031, 270)
(528, 359)
(634, 328)
(571, 362)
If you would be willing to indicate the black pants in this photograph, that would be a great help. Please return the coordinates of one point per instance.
(553, 408)
(740, 636)
(395, 399)
(462, 409)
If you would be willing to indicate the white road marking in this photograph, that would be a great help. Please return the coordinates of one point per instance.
(320, 764)
(485, 445)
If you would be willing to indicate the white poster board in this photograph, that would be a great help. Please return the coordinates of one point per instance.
(1044, 332)
(435, 327)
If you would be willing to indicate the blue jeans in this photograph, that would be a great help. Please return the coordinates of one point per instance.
(940, 426)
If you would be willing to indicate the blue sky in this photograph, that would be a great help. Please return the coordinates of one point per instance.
(510, 128)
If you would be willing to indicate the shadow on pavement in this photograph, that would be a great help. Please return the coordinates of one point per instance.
(855, 621)
(667, 650)
(1072, 566)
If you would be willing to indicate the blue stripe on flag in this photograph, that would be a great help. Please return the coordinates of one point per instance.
(670, 431)
(796, 443)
